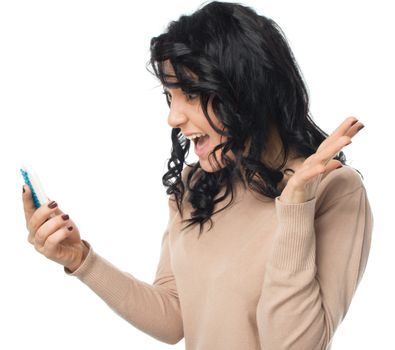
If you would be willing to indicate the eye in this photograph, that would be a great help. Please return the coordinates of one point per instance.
(191, 96)
(168, 97)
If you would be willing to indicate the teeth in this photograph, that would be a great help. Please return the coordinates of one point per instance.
(195, 136)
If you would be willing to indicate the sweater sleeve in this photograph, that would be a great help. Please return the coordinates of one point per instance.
(152, 308)
(316, 263)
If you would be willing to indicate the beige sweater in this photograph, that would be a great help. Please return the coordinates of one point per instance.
(268, 276)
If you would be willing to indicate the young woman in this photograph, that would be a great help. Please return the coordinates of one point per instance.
(290, 222)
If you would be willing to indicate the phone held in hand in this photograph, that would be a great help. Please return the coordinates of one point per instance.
(31, 179)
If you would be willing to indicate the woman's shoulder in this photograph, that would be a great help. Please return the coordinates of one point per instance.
(338, 183)
(346, 177)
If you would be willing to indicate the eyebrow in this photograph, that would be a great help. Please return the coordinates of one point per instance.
(165, 88)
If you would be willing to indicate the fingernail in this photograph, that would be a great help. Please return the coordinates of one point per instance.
(361, 127)
(52, 205)
(65, 217)
(23, 187)
(70, 228)
(354, 122)
(340, 166)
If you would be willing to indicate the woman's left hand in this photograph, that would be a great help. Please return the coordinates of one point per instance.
(302, 185)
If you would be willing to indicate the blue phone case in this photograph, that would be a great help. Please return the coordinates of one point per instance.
(31, 179)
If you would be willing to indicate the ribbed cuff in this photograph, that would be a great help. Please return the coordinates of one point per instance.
(294, 241)
(86, 264)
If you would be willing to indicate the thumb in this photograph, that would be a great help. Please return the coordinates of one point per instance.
(332, 165)
(28, 204)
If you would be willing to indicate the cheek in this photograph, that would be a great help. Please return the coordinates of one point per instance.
(216, 140)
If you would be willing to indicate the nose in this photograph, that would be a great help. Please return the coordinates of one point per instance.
(176, 116)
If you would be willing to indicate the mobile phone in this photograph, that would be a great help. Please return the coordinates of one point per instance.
(31, 179)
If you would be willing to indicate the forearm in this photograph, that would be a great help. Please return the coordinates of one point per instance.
(151, 308)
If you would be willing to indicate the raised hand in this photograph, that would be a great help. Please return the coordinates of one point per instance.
(302, 185)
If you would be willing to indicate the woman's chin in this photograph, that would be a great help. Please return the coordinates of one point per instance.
(206, 166)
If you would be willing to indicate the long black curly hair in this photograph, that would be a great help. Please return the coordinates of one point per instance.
(247, 70)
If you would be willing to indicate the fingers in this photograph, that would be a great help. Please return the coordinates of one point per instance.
(345, 131)
(354, 128)
(340, 138)
(29, 207)
(42, 219)
(50, 246)
(344, 127)
(48, 228)
(42, 214)
(325, 155)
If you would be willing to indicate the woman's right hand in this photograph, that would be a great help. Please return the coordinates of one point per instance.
(50, 234)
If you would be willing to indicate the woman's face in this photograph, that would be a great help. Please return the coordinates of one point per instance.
(187, 114)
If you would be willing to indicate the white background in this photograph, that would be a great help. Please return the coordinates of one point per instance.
(77, 103)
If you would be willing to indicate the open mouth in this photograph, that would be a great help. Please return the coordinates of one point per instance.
(199, 141)
(201, 145)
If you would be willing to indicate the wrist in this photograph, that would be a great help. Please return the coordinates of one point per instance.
(80, 258)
